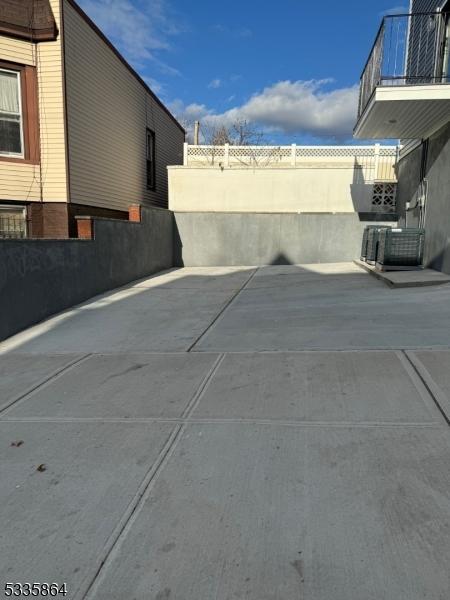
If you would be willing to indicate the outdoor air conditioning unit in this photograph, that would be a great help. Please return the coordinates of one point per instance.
(400, 249)
(370, 242)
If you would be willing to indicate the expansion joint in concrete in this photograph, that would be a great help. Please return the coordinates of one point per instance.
(438, 397)
(134, 507)
(57, 373)
(221, 312)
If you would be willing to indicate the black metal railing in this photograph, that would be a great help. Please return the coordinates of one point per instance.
(410, 49)
(12, 227)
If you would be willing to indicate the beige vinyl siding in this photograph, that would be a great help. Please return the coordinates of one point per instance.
(18, 51)
(108, 111)
(51, 113)
(20, 181)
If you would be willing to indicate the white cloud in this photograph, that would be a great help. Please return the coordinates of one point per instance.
(215, 83)
(291, 108)
(191, 112)
(141, 29)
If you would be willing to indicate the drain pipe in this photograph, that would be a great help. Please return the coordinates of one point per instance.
(424, 184)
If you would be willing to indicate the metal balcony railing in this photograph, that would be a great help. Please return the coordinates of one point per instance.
(410, 49)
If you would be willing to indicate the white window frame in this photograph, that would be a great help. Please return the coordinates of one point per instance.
(21, 154)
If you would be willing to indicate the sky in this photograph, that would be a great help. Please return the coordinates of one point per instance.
(290, 68)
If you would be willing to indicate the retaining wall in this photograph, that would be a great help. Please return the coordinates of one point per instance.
(212, 239)
(41, 277)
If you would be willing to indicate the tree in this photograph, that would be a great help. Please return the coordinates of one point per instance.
(239, 132)
(243, 133)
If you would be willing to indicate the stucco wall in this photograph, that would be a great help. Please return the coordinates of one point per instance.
(41, 277)
(331, 188)
(408, 172)
(213, 239)
(437, 222)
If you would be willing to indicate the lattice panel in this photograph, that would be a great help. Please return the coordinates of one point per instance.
(251, 152)
(260, 156)
(334, 151)
(201, 152)
(384, 197)
(388, 152)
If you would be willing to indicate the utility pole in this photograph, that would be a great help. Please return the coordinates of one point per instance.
(196, 132)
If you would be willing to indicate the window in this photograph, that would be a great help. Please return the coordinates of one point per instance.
(150, 159)
(13, 222)
(11, 129)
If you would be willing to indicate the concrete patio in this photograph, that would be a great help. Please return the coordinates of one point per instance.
(222, 433)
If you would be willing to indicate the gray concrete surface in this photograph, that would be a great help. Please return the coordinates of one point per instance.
(348, 310)
(262, 470)
(20, 374)
(399, 279)
(338, 387)
(154, 385)
(56, 522)
(267, 512)
(434, 368)
(213, 238)
(130, 320)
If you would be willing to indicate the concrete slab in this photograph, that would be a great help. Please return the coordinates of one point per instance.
(316, 387)
(55, 523)
(330, 269)
(129, 320)
(334, 314)
(312, 283)
(265, 512)
(416, 278)
(201, 278)
(20, 374)
(305, 275)
(312, 475)
(136, 385)
(434, 368)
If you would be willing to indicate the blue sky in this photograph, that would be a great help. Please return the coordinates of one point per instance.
(291, 67)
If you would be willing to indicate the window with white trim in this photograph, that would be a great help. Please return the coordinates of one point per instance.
(11, 122)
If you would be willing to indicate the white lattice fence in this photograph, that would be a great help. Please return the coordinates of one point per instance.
(371, 163)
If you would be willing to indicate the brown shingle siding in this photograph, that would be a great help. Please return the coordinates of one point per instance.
(27, 19)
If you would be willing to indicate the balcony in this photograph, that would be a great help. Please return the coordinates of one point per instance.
(404, 88)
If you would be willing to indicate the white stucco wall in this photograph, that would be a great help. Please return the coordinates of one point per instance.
(332, 188)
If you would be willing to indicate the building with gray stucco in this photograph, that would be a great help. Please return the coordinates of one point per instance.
(405, 94)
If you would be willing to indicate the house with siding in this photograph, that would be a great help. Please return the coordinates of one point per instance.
(405, 94)
(80, 132)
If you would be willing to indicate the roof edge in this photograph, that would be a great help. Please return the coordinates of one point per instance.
(30, 20)
(136, 75)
